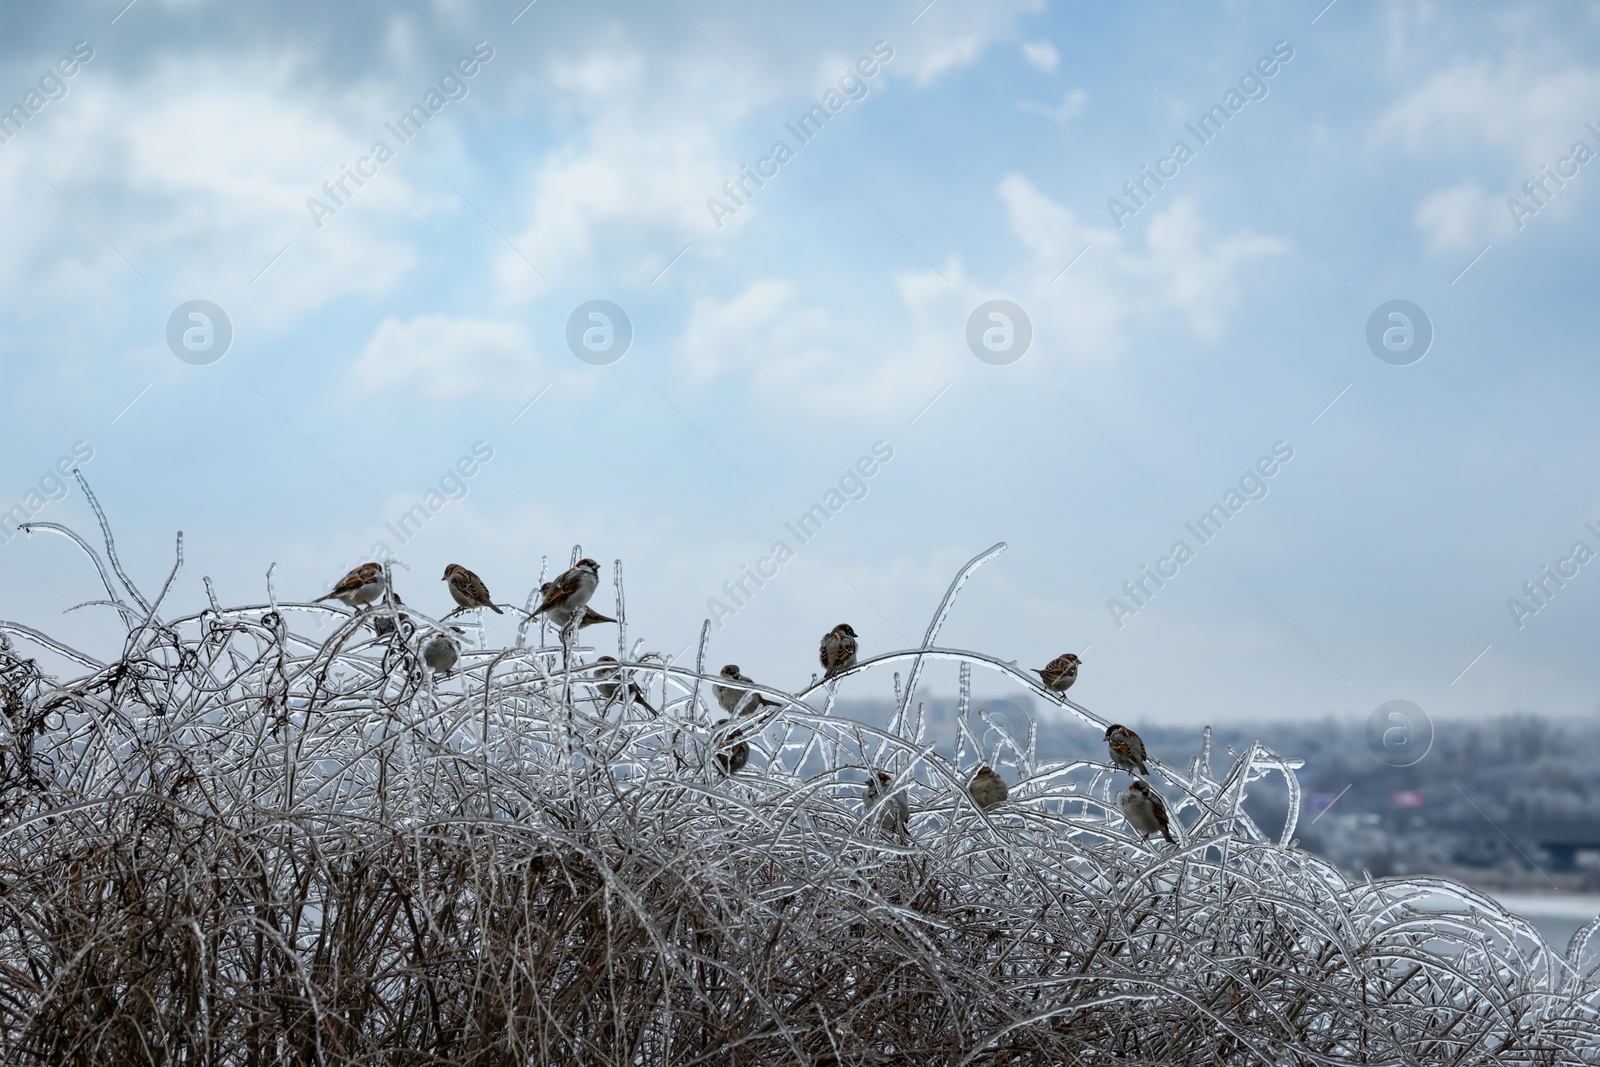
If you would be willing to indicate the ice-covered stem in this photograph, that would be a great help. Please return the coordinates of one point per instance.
(111, 544)
(939, 617)
(88, 550)
(622, 611)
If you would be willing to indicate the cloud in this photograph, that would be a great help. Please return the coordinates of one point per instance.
(1070, 107)
(445, 358)
(1501, 120)
(796, 356)
(1457, 218)
(1041, 55)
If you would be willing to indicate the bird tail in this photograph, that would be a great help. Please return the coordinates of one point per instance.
(496, 609)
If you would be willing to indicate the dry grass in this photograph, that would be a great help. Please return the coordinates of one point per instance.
(239, 844)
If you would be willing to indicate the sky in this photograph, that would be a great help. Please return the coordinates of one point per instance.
(1208, 331)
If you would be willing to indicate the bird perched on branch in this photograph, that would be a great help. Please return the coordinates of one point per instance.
(988, 788)
(1144, 809)
(894, 811)
(468, 589)
(590, 616)
(838, 650)
(1059, 674)
(1127, 750)
(733, 757)
(730, 698)
(384, 624)
(360, 587)
(440, 651)
(569, 594)
(609, 687)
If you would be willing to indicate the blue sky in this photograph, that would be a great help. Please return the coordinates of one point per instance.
(1169, 354)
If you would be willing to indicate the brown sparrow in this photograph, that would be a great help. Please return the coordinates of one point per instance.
(733, 758)
(838, 651)
(468, 589)
(730, 698)
(609, 687)
(895, 813)
(1059, 674)
(1144, 809)
(360, 587)
(988, 788)
(1127, 750)
(440, 652)
(569, 594)
(590, 616)
(384, 624)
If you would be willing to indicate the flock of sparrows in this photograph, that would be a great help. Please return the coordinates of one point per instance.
(566, 600)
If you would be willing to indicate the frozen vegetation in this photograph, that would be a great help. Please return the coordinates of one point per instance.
(268, 834)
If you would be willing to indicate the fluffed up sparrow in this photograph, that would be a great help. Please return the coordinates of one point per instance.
(569, 594)
(440, 651)
(838, 650)
(1127, 750)
(361, 586)
(468, 589)
(894, 810)
(1059, 674)
(730, 698)
(607, 684)
(383, 624)
(733, 758)
(988, 788)
(1144, 809)
(590, 616)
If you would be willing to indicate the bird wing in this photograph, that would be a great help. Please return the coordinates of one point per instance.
(362, 575)
(560, 589)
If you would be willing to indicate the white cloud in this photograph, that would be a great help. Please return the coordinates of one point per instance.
(447, 358)
(1457, 218)
(1041, 55)
(796, 356)
(1507, 121)
(1070, 107)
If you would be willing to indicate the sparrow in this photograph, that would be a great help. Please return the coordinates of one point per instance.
(1059, 673)
(1144, 809)
(838, 650)
(609, 686)
(988, 788)
(440, 652)
(384, 624)
(896, 810)
(733, 758)
(570, 592)
(1127, 751)
(590, 616)
(361, 586)
(468, 589)
(730, 699)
